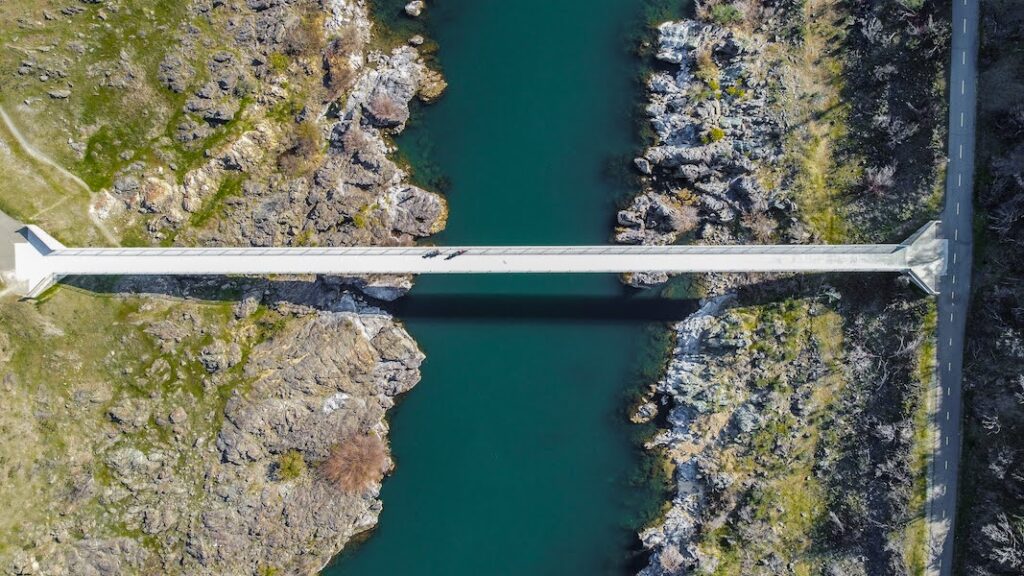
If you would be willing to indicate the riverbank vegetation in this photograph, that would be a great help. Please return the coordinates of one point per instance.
(990, 529)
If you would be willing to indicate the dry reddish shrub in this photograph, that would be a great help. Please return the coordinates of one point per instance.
(339, 74)
(357, 463)
(386, 109)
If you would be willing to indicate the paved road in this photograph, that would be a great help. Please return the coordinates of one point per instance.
(955, 296)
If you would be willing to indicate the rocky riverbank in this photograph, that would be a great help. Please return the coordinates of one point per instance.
(209, 426)
(713, 133)
(755, 123)
(324, 175)
(205, 457)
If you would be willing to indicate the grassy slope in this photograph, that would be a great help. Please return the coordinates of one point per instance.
(70, 358)
(67, 359)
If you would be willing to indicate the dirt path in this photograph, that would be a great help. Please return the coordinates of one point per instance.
(38, 156)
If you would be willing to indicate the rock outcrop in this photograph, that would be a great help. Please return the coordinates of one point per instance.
(709, 110)
(194, 439)
(215, 497)
(322, 177)
(671, 540)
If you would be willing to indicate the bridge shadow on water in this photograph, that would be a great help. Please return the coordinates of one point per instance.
(514, 307)
(331, 295)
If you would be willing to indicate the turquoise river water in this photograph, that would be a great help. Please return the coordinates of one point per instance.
(514, 453)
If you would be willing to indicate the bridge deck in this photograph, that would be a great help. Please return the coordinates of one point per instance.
(40, 259)
(512, 259)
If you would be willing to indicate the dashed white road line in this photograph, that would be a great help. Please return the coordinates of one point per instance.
(963, 86)
(957, 208)
(961, 151)
(956, 234)
(961, 119)
(965, 25)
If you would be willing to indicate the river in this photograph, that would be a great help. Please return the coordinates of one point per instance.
(514, 453)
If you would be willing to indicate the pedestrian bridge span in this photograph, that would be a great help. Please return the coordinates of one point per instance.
(39, 260)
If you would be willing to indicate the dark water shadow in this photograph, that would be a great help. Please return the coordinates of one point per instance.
(332, 295)
(516, 307)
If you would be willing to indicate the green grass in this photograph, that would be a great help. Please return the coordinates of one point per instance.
(230, 187)
(73, 355)
(726, 14)
(785, 496)
(916, 532)
(291, 465)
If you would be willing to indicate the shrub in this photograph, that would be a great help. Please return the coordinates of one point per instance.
(713, 135)
(761, 225)
(725, 14)
(707, 70)
(357, 463)
(278, 62)
(305, 146)
(339, 74)
(686, 197)
(735, 92)
(291, 465)
(688, 219)
(339, 78)
(305, 37)
(386, 110)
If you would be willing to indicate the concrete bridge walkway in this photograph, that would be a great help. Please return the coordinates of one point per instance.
(39, 260)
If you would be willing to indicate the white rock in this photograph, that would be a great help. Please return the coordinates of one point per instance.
(335, 402)
(415, 8)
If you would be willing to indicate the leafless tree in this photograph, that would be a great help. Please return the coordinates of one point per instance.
(687, 218)
(1001, 463)
(990, 422)
(760, 224)
(1008, 539)
(879, 181)
(1006, 216)
(873, 31)
(899, 130)
(885, 72)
